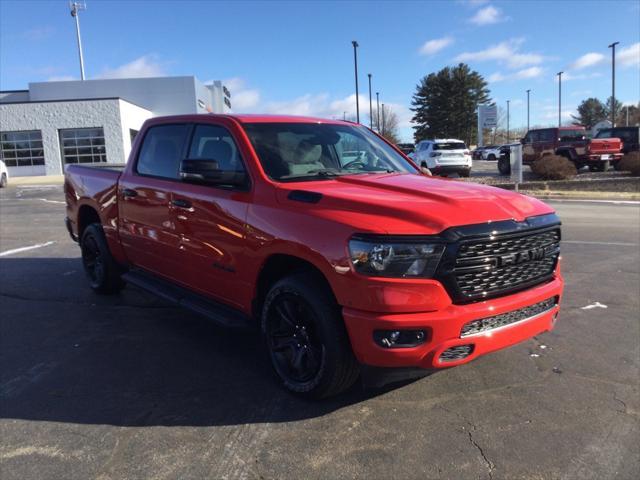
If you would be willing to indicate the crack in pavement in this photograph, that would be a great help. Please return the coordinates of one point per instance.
(490, 465)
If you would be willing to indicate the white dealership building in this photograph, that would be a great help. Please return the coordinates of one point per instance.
(53, 124)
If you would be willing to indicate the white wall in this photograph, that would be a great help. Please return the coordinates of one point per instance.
(49, 117)
(132, 117)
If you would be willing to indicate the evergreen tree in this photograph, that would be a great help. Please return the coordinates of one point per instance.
(590, 112)
(445, 104)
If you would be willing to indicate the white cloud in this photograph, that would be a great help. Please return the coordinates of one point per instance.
(568, 76)
(507, 52)
(587, 60)
(531, 72)
(243, 99)
(581, 93)
(38, 33)
(434, 46)
(62, 78)
(145, 66)
(629, 56)
(487, 16)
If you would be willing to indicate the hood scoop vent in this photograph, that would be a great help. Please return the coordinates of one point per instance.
(304, 196)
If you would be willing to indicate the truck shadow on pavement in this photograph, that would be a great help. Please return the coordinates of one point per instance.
(69, 355)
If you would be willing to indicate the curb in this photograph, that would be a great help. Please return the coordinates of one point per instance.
(37, 180)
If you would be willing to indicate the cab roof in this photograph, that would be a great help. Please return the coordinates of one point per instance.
(266, 118)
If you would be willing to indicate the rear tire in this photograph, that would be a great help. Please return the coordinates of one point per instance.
(102, 270)
(465, 173)
(3, 180)
(306, 338)
(491, 157)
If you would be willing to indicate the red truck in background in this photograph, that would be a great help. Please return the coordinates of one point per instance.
(572, 143)
(339, 260)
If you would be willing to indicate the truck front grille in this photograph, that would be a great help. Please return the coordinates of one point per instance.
(494, 266)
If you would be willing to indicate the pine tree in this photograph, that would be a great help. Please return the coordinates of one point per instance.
(445, 104)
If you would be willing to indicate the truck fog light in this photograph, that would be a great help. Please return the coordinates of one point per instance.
(399, 338)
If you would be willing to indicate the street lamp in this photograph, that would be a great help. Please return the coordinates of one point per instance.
(75, 9)
(528, 110)
(613, 83)
(560, 99)
(355, 64)
(370, 104)
(378, 110)
(508, 102)
(383, 126)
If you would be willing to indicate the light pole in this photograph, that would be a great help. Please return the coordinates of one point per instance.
(560, 99)
(508, 102)
(613, 83)
(378, 110)
(355, 64)
(75, 9)
(528, 110)
(370, 104)
(383, 126)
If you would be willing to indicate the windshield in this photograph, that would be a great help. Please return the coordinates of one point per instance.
(449, 146)
(312, 151)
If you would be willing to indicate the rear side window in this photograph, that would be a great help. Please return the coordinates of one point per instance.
(212, 142)
(546, 135)
(449, 146)
(161, 151)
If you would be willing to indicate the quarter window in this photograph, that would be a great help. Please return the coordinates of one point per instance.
(161, 151)
(83, 145)
(21, 149)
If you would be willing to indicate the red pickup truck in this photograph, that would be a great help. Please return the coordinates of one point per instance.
(340, 261)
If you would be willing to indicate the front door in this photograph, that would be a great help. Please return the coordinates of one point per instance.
(211, 221)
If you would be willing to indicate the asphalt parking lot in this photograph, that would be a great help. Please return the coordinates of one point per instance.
(127, 387)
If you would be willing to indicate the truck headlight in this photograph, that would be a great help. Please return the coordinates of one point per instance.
(380, 258)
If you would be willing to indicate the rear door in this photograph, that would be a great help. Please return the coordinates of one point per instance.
(148, 224)
(210, 220)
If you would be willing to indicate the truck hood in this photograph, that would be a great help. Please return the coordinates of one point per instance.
(407, 203)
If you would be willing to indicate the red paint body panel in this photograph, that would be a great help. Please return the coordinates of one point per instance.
(219, 245)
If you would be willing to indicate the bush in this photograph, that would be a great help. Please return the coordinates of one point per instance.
(554, 167)
(630, 163)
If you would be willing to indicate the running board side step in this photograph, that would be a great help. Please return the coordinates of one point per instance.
(220, 314)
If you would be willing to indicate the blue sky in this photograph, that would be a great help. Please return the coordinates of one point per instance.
(296, 57)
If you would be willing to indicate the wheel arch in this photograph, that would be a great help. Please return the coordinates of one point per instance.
(278, 266)
(86, 216)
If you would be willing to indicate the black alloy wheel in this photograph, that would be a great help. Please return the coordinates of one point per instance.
(296, 352)
(101, 269)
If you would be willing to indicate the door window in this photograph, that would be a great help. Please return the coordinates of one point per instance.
(161, 151)
(212, 142)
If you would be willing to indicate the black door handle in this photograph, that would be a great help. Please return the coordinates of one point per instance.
(129, 193)
(180, 203)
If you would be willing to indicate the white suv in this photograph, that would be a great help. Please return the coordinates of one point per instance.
(444, 156)
(4, 175)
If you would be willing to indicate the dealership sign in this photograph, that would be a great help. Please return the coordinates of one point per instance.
(488, 115)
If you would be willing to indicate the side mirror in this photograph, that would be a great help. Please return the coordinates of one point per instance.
(207, 172)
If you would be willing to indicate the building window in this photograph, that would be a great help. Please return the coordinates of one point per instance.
(83, 145)
(21, 149)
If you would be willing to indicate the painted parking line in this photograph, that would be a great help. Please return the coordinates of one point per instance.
(24, 249)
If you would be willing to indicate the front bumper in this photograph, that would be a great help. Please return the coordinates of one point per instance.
(443, 329)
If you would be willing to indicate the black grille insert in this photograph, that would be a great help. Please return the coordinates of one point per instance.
(493, 266)
(459, 352)
(508, 318)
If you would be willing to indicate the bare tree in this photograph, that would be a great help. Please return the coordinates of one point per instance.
(388, 123)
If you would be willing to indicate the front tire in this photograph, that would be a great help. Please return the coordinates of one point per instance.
(504, 166)
(3, 180)
(101, 269)
(306, 338)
